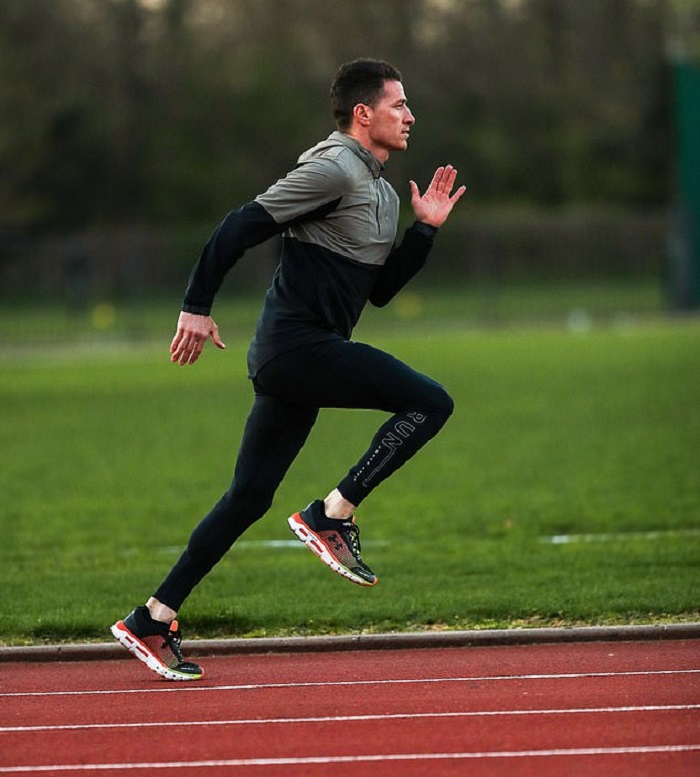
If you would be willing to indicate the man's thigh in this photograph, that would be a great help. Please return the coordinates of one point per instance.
(349, 374)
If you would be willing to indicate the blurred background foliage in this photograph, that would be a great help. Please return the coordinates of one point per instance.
(123, 110)
(142, 120)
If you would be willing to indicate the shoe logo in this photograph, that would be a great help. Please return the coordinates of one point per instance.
(334, 540)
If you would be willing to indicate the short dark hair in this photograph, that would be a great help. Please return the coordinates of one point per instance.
(359, 81)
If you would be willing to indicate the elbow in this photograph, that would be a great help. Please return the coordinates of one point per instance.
(380, 300)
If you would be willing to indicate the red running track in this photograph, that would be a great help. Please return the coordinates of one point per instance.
(627, 709)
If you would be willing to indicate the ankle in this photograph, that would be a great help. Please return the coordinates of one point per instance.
(160, 612)
(336, 506)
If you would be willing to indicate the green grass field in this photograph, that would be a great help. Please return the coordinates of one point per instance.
(564, 490)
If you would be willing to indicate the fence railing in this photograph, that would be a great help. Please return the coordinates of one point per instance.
(502, 246)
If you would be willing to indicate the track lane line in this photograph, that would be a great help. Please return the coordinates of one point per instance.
(354, 718)
(188, 688)
(368, 758)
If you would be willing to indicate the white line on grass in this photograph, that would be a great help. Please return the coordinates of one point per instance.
(254, 544)
(350, 759)
(171, 550)
(353, 718)
(567, 539)
(189, 687)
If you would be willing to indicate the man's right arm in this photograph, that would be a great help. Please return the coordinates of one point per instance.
(240, 230)
(305, 191)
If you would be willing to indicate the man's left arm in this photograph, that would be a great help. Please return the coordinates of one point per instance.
(431, 211)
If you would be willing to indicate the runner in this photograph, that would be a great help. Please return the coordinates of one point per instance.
(338, 217)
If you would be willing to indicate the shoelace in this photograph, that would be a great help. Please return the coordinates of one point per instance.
(351, 534)
(173, 641)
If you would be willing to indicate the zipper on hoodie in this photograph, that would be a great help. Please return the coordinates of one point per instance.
(376, 209)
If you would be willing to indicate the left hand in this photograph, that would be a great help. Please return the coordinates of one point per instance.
(436, 204)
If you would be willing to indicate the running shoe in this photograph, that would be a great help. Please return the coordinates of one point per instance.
(336, 543)
(156, 644)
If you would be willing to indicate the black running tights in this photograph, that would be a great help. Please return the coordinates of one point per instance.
(289, 391)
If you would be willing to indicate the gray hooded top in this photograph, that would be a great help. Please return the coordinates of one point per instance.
(338, 217)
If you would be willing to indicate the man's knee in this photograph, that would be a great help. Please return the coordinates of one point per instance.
(443, 404)
(449, 405)
(436, 412)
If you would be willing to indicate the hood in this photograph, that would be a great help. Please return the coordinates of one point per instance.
(336, 139)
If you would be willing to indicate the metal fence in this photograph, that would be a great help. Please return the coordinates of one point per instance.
(127, 263)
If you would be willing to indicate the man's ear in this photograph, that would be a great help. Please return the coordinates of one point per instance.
(362, 114)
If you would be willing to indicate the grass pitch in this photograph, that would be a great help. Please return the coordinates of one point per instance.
(564, 490)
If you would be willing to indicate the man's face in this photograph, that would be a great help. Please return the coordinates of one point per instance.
(390, 121)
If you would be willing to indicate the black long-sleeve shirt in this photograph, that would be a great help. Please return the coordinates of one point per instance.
(338, 217)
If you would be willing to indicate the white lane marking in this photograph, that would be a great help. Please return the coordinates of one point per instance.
(567, 539)
(346, 759)
(354, 718)
(171, 550)
(191, 688)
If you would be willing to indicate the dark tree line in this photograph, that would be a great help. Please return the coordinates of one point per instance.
(124, 111)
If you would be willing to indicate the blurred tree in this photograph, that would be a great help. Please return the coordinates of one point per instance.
(145, 110)
(51, 135)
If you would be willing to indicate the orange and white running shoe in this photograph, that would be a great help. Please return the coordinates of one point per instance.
(156, 644)
(336, 543)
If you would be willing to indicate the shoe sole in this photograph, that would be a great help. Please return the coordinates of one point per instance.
(134, 645)
(319, 548)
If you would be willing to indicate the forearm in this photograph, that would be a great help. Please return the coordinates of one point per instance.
(240, 230)
(403, 263)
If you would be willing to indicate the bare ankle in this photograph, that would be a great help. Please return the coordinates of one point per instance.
(160, 612)
(337, 506)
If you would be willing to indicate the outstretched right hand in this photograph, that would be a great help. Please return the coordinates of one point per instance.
(192, 332)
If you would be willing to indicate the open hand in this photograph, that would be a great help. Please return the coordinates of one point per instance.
(192, 332)
(436, 204)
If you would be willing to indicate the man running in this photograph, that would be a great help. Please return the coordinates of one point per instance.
(338, 218)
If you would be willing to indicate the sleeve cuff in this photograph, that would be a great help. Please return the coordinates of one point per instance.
(197, 310)
(425, 229)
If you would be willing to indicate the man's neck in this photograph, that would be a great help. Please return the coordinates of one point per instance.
(362, 138)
